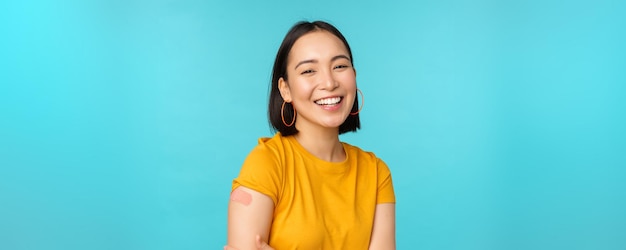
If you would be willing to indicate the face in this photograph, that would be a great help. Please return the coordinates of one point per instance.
(321, 81)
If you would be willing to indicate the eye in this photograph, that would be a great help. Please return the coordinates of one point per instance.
(308, 71)
(342, 66)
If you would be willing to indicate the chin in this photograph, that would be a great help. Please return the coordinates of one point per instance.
(333, 124)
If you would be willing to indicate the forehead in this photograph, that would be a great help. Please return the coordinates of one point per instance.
(317, 45)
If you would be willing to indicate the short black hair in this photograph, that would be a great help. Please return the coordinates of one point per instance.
(351, 124)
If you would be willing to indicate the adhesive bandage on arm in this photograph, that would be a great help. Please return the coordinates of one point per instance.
(241, 196)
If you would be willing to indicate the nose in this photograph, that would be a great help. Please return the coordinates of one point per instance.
(329, 82)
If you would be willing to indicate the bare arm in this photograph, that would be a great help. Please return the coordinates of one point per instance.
(249, 215)
(384, 229)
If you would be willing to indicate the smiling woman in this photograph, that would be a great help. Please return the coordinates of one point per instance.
(304, 188)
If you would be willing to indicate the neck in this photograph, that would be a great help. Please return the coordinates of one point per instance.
(323, 144)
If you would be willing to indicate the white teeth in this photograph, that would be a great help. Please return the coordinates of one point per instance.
(328, 101)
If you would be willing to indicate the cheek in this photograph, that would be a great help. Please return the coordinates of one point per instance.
(301, 89)
(348, 79)
(346, 75)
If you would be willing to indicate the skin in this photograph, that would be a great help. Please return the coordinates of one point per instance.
(318, 67)
(247, 222)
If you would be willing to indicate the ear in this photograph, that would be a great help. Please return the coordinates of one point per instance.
(283, 87)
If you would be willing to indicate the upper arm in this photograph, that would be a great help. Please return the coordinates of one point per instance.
(384, 229)
(249, 214)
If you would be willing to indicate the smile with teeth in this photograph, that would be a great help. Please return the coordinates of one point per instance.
(328, 101)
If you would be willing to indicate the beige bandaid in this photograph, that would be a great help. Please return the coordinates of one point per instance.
(241, 196)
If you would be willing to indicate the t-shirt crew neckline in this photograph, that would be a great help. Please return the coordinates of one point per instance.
(326, 166)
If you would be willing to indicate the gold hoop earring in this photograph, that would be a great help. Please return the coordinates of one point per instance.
(282, 110)
(362, 102)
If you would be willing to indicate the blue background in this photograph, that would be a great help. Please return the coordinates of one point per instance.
(123, 123)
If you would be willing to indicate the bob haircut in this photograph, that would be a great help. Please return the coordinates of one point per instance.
(351, 124)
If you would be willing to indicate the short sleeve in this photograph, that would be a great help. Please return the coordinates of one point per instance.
(260, 172)
(385, 184)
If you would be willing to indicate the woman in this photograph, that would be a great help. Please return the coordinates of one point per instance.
(303, 188)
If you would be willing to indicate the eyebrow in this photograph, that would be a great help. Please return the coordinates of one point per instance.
(315, 61)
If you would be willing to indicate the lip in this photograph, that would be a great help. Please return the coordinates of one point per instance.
(332, 96)
(332, 107)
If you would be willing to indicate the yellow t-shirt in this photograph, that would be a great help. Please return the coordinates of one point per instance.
(317, 204)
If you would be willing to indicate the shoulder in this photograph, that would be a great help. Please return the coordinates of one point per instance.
(361, 155)
(269, 146)
(364, 157)
(268, 154)
(262, 170)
